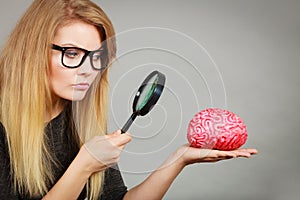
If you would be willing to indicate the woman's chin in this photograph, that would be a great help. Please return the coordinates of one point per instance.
(76, 96)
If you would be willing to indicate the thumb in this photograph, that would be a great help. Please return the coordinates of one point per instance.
(113, 134)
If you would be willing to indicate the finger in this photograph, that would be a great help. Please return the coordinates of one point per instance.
(242, 153)
(225, 154)
(229, 155)
(122, 147)
(252, 151)
(115, 133)
(249, 151)
(217, 154)
(216, 159)
(118, 132)
(121, 139)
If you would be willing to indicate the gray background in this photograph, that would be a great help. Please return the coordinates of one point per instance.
(255, 45)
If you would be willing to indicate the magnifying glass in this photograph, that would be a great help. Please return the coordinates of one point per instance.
(146, 96)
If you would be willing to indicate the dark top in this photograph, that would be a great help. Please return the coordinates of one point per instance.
(64, 149)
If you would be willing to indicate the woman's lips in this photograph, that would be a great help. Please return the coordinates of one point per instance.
(81, 86)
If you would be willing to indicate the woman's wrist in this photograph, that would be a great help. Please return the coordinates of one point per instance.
(180, 156)
(175, 159)
(83, 163)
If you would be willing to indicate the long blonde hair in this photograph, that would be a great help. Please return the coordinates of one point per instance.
(25, 97)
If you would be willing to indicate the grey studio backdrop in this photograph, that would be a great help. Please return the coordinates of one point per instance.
(241, 55)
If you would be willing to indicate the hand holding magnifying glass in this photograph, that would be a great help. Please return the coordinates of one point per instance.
(146, 96)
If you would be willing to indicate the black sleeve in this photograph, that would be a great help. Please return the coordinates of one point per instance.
(114, 187)
(6, 189)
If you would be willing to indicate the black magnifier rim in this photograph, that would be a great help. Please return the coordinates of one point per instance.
(154, 96)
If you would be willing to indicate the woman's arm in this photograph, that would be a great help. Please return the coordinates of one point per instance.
(73, 180)
(157, 184)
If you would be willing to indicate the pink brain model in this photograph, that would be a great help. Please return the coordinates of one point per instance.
(215, 128)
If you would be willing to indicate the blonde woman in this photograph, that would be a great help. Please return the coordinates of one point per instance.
(53, 97)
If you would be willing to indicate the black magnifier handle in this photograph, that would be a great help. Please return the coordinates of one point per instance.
(129, 122)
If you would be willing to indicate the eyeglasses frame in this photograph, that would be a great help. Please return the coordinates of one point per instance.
(86, 54)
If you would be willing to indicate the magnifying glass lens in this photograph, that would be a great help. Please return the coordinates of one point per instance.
(146, 97)
(147, 92)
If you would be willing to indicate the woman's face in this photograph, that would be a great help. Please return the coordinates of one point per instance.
(73, 83)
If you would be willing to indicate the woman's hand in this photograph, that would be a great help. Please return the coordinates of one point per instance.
(157, 184)
(189, 155)
(102, 152)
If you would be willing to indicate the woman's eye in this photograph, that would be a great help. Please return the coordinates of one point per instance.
(96, 56)
(72, 53)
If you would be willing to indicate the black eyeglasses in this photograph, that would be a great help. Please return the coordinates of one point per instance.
(73, 57)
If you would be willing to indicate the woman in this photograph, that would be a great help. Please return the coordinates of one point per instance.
(53, 94)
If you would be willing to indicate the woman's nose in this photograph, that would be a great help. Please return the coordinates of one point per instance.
(86, 67)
